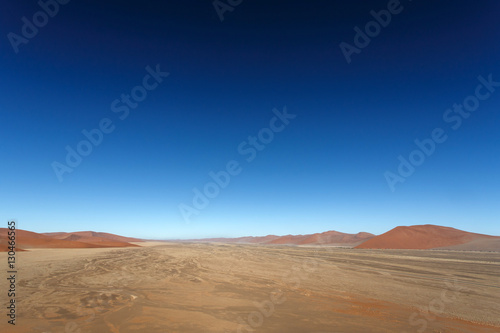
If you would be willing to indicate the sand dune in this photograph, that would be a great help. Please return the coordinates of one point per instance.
(328, 237)
(92, 234)
(479, 244)
(325, 238)
(97, 238)
(413, 237)
(31, 240)
(429, 237)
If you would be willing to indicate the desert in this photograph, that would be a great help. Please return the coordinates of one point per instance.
(214, 286)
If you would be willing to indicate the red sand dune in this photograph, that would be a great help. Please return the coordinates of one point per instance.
(97, 238)
(96, 241)
(29, 240)
(328, 237)
(91, 234)
(413, 237)
(423, 237)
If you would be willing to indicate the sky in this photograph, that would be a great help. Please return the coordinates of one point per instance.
(192, 119)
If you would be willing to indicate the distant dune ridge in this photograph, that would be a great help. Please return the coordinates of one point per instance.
(432, 237)
(84, 239)
(413, 237)
(248, 239)
(325, 238)
(92, 237)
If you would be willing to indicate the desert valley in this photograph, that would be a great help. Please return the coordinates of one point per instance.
(411, 279)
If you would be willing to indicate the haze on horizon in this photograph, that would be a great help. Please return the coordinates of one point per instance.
(222, 107)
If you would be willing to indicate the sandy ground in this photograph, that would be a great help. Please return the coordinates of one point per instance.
(177, 287)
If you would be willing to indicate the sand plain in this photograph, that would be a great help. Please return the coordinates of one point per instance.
(195, 287)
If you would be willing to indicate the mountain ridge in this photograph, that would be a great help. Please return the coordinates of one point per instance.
(420, 237)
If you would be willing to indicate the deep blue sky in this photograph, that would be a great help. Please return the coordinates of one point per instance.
(324, 171)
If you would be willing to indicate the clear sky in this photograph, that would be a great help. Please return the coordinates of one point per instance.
(325, 167)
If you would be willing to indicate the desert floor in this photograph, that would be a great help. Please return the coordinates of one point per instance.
(180, 287)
